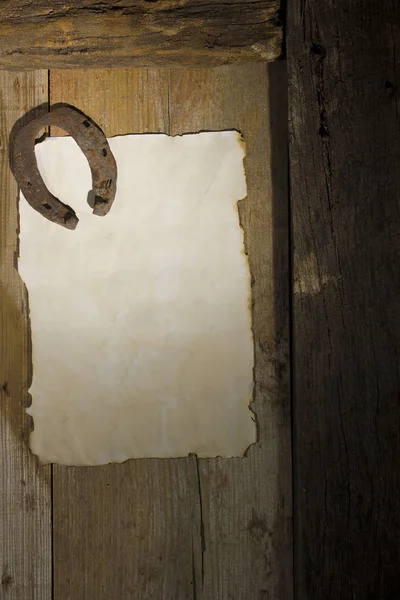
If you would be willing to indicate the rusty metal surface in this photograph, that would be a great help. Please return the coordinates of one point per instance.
(93, 144)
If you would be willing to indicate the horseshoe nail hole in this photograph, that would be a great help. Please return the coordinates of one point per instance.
(86, 123)
(28, 183)
(68, 216)
(104, 152)
(46, 206)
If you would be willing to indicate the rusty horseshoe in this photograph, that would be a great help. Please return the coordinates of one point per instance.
(94, 146)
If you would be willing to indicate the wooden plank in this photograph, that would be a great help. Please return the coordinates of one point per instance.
(345, 185)
(124, 531)
(179, 529)
(119, 100)
(25, 488)
(246, 503)
(85, 33)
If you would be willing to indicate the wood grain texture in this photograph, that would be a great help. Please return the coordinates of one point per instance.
(55, 34)
(120, 100)
(188, 528)
(25, 488)
(344, 74)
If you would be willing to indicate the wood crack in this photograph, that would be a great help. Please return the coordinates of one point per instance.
(318, 52)
(202, 536)
(194, 583)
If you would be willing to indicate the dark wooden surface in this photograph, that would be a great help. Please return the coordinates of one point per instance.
(344, 96)
(88, 33)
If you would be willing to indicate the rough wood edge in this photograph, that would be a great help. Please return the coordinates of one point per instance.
(108, 34)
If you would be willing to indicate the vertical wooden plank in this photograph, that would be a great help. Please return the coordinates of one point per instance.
(120, 100)
(246, 502)
(124, 531)
(344, 74)
(25, 488)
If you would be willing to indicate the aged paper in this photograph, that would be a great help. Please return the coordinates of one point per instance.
(140, 320)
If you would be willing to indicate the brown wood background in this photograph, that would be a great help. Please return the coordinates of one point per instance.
(168, 529)
(327, 338)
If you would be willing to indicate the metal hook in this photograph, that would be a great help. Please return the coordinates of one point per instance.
(94, 146)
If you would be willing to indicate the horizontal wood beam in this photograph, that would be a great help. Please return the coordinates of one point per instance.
(86, 33)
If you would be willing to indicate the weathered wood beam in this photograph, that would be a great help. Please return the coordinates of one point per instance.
(344, 76)
(88, 33)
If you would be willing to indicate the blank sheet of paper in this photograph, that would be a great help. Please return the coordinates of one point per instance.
(140, 320)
